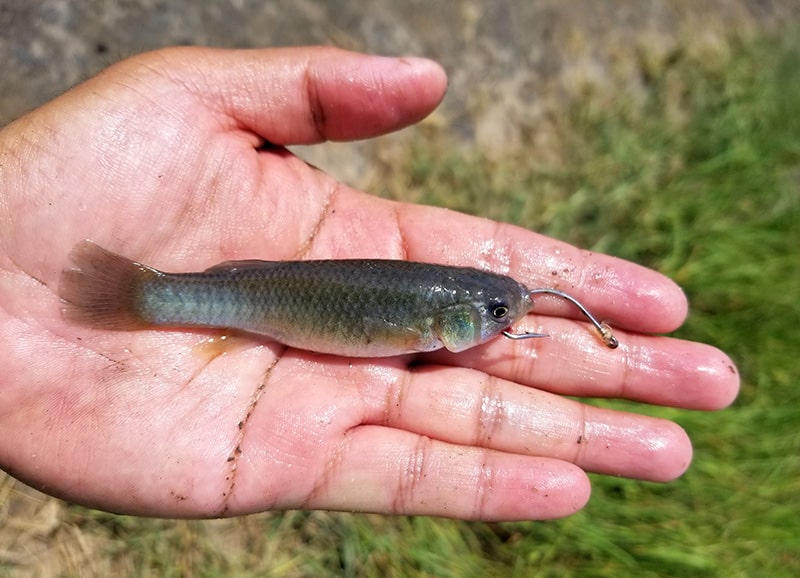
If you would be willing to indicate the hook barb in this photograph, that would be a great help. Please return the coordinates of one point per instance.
(606, 334)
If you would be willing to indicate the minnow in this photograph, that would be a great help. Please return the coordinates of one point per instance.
(351, 307)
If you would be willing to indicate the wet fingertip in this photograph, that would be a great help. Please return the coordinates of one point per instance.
(667, 304)
(580, 491)
(720, 373)
(563, 492)
(703, 377)
(670, 453)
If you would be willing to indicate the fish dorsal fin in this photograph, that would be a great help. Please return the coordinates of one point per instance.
(247, 264)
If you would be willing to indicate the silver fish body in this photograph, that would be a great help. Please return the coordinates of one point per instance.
(358, 308)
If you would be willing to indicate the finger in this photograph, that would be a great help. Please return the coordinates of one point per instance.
(628, 295)
(315, 442)
(396, 472)
(465, 407)
(573, 361)
(310, 94)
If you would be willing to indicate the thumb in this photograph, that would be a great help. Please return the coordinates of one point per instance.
(306, 95)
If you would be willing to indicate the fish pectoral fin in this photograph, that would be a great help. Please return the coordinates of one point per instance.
(400, 337)
(457, 327)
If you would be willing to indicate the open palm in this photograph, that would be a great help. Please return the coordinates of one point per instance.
(176, 159)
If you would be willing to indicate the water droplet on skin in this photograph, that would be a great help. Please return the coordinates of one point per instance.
(216, 345)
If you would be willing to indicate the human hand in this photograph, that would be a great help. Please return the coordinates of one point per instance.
(162, 158)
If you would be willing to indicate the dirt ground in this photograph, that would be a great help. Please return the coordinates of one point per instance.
(510, 63)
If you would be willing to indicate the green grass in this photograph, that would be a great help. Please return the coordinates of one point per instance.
(700, 180)
(704, 186)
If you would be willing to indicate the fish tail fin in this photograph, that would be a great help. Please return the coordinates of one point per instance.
(102, 289)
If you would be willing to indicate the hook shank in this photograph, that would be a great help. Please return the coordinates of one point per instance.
(606, 334)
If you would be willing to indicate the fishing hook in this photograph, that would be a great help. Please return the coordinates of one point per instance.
(605, 330)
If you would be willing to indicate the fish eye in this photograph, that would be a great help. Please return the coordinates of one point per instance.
(499, 311)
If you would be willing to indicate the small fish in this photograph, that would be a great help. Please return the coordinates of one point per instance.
(356, 308)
